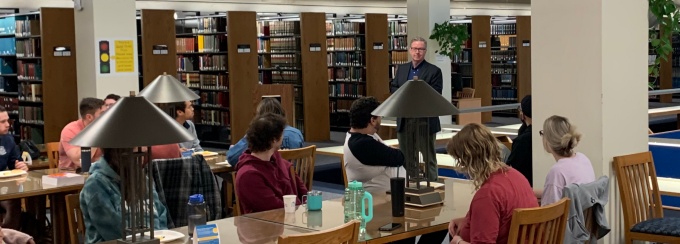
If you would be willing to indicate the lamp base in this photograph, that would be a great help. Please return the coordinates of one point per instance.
(141, 240)
(423, 199)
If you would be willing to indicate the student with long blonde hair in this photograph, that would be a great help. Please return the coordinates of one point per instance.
(500, 188)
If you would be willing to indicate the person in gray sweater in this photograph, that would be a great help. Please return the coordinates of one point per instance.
(183, 113)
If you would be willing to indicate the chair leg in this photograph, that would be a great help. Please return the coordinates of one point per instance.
(629, 240)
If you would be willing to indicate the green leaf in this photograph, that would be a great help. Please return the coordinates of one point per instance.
(655, 42)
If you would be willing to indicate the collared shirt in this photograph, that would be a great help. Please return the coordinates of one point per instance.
(413, 71)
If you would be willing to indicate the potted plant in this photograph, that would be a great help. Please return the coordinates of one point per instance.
(665, 13)
(450, 38)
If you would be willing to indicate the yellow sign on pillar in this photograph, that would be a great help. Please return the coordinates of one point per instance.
(124, 56)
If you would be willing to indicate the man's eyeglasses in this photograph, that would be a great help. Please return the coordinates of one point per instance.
(418, 49)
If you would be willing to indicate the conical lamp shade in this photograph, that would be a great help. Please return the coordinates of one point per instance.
(415, 99)
(133, 122)
(167, 89)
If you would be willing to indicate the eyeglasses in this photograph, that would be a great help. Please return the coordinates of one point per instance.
(540, 132)
(418, 49)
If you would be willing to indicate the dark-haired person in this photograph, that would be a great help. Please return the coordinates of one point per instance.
(109, 101)
(100, 200)
(183, 112)
(292, 137)
(69, 155)
(521, 155)
(367, 158)
(263, 177)
(10, 158)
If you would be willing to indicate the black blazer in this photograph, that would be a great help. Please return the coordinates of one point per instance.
(430, 74)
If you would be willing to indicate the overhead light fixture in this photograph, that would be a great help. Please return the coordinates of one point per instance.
(167, 89)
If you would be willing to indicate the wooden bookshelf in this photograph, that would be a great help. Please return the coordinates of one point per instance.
(398, 46)
(377, 60)
(347, 68)
(202, 64)
(523, 56)
(314, 77)
(243, 70)
(504, 81)
(157, 30)
(481, 62)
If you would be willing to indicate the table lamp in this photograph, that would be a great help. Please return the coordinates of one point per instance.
(167, 89)
(415, 100)
(132, 124)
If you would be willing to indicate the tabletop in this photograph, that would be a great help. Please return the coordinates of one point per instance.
(245, 230)
(337, 151)
(30, 184)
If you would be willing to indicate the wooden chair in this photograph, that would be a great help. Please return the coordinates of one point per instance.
(542, 225)
(231, 192)
(303, 162)
(347, 233)
(505, 140)
(467, 92)
(639, 189)
(76, 225)
(52, 149)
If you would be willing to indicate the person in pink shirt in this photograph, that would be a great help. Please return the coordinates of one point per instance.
(500, 188)
(559, 139)
(69, 155)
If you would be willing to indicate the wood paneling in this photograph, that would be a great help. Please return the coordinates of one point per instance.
(523, 57)
(377, 63)
(314, 77)
(60, 98)
(158, 28)
(287, 98)
(243, 76)
(481, 61)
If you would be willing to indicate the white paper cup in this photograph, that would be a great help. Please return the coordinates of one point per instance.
(289, 203)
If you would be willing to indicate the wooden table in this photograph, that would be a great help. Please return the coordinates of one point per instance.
(337, 151)
(658, 112)
(467, 118)
(39, 164)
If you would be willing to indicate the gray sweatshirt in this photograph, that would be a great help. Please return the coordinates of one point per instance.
(193, 144)
(584, 196)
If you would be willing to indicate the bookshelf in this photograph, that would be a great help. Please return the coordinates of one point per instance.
(346, 60)
(314, 76)
(202, 65)
(398, 47)
(157, 50)
(504, 66)
(523, 56)
(481, 61)
(243, 70)
(36, 84)
(377, 59)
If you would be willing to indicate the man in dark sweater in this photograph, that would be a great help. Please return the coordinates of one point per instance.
(520, 158)
(10, 159)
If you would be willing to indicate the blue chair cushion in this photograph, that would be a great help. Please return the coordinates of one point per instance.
(667, 226)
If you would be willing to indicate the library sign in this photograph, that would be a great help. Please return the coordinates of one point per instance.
(116, 56)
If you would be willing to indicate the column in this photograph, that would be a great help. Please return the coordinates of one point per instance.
(106, 37)
(583, 70)
(422, 15)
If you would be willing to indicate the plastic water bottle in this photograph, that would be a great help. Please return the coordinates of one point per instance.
(349, 204)
(196, 212)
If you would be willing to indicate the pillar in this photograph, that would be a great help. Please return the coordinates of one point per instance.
(111, 26)
(422, 15)
(584, 70)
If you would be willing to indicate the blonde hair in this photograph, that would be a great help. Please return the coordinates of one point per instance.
(270, 105)
(560, 136)
(478, 153)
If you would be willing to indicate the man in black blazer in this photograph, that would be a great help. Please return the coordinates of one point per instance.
(433, 76)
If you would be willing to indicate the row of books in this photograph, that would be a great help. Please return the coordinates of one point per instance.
(509, 94)
(32, 133)
(29, 70)
(503, 69)
(346, 90)
(205, 81)
(8, 46)
(503, 29)
(211, 43)
(8, 85)
(214, 99)
(503, 55)
(340, 27)
(203, 25)
(214, 117)
(7, 25)
(351, 74)
(278, 44)
(397, 28)
(399, 57)
(398, 43)
(28, 48)
(340, 106)
(465, 56)
(6, 64)
(30, 92)
(345, 44)
(280, 60)
(284, 77)
(202, 63)
(345, 59)
(465, 70)
(503, 80)
(33, 115)
(278, 28)
(27, 28)
(11, 104)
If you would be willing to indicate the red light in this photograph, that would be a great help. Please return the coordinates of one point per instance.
(104, 46)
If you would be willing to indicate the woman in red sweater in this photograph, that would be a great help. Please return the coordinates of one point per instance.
(262, 176)
(500, 188)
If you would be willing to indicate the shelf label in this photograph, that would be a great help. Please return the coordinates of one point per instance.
(315, 47)
(378, 46)
(526, 43)
(482, 44)
(62, 51)
(243, 48)
(160, 49)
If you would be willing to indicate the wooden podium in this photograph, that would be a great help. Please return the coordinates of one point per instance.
(282, 92)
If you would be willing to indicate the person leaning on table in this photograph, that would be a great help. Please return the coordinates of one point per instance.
(499, 188)
(10, 158)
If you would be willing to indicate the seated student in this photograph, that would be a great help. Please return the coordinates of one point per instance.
(109, 101)
(10, 158)
(520, 157)
(559, 139)
(183, 112)
(292, 137)
(367, 158)
(263, 177)
(69, 155)
(100, 200)
(499, 189)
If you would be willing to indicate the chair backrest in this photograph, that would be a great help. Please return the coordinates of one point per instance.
(588, 216)
(467, 92)
(636, 177)
(303, 162)
(76, 226)
(347, 233)
(52, 149)
(541, 225)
